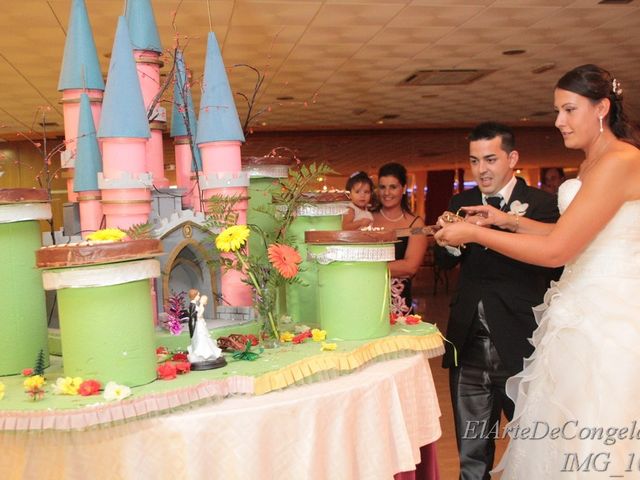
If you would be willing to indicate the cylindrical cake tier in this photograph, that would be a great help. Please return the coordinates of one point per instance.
(23, 316)
(260, 189)
(107, 333)
(353, 295)
(301, 299)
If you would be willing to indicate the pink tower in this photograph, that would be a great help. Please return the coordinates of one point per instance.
(80, 73)
(125, 182)
(88, 164)
(219, 138)
(183, 131)
(147, 50)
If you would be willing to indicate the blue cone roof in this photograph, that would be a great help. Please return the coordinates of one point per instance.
(80, 65)
(218, 119)
(182, 92)
(123, 111)
(142, 26)
(88, 158)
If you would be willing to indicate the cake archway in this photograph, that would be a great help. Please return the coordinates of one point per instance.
(187, 265)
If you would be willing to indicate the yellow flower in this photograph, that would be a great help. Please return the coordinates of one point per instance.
(232, 238)
(1, 390)
(33, 383)
(318, 335)
(286, 336)
(67, 386)
(326, 347)
(107, 235)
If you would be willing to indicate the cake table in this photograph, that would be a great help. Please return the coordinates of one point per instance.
(362, 411)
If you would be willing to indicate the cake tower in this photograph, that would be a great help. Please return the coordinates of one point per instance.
(183, 130)
(146, 51)
(80, 73)
(88, 164)
(219, 138)
(23, 314)
(124, 130)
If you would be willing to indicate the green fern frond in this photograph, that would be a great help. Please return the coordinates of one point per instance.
(140, 231)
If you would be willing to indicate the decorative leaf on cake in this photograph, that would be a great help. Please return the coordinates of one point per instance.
(140, 231)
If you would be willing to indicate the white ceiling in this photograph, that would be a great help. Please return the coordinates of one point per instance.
(342, 60)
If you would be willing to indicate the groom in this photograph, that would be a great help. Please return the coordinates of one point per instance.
(491, 317)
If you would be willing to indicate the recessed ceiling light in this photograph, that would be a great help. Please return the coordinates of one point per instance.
(515, 51)
(545, 67)
(264, 124)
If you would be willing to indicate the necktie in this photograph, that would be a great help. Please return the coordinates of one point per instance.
(496, 201)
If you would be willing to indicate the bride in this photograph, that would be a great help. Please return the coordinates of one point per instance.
(577, 412)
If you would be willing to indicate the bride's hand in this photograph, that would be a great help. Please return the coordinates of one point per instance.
(455, 234)
(485, 216)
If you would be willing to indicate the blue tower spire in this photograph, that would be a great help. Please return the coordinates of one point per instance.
(88, 158)
(123, 111)
(183, 110)
(218, 119)
(80, 66)
(142, 26)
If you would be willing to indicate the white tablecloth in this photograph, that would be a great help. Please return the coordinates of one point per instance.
(366, 425)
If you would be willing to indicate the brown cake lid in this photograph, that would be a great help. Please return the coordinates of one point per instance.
(92, 253)
(23, 195)
(350, 236)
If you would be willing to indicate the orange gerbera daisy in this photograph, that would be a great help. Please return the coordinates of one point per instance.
(285, 259)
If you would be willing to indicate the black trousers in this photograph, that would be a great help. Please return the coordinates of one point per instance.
(478, 397)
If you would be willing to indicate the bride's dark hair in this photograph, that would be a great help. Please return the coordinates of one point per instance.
(597, 83)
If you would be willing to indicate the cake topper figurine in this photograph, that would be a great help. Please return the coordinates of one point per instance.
(204, 353)
(194, 298)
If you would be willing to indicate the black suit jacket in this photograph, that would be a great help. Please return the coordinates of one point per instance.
(508, 288)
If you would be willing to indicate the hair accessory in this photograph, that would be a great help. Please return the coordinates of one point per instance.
(616, 87)
(355, 173)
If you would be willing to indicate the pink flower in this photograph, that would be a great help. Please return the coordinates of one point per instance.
(285, 259)
(27, 372)
(89, 387)
(167, 371)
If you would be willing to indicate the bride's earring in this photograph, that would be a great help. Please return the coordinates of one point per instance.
(601, 127)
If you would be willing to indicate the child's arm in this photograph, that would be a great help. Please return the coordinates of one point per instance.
(348, 223)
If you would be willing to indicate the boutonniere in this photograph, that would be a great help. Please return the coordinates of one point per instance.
(518, 208)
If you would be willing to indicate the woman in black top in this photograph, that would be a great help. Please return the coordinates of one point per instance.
(394, 213)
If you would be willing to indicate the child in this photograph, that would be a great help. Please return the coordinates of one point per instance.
(360, 188)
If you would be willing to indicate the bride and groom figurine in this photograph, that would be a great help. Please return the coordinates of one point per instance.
(204, 353)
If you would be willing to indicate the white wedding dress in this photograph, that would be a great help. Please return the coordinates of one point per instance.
(584, 375)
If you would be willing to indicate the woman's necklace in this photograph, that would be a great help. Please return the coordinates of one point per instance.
(392, 219)
(590, 162)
